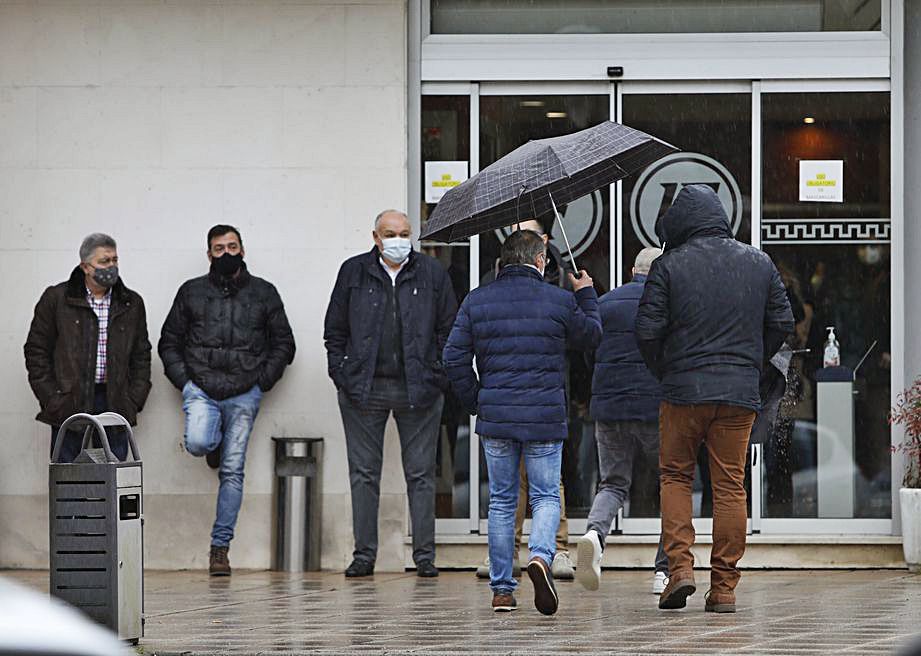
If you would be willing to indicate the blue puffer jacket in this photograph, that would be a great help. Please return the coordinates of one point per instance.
(518, 328)
(623, 388)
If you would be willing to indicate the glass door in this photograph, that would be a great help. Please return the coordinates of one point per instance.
(445, 151)
(758, 145)
(711, 125)
(826, 224)
(509, 116)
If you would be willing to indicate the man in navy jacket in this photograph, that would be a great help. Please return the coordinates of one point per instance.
(625, 407)
(387, 321)
(518, 328)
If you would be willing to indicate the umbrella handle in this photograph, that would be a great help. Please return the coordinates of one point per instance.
(572, 258)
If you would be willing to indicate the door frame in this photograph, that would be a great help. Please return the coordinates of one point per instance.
(616, 90)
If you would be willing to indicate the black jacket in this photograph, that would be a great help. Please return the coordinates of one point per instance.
(623, 389)
(61, 352)
(226, 335)
(355, 319)
(713, 310)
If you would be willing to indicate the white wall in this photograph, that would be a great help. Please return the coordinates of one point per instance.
(152, 121)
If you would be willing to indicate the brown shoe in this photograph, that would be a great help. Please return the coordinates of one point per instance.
(219, 562)
(504, 602)
(720, 602)
(680, 586)
(545, 598)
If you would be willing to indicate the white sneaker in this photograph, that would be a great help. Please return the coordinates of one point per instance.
(482, 572)
(659, 583)
(588, 555)
(562, 567)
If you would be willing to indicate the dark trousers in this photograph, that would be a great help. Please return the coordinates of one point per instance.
(364, 441)
(73, 439)
(619, 442)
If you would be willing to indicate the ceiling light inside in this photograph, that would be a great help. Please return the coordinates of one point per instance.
(532, 103)
(808, 120)
(557, 114)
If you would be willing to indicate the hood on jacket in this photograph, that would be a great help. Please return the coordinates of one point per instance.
(696, 212)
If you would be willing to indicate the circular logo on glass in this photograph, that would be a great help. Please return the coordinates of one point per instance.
(657, 186)
(583, 218)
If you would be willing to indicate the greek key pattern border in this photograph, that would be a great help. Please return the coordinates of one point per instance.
(826, 231)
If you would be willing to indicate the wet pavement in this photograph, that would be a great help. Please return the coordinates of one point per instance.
(780, 612)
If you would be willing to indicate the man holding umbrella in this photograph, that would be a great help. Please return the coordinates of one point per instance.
(562, 566)
(518, 328)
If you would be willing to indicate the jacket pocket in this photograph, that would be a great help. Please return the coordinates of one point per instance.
(60, 406)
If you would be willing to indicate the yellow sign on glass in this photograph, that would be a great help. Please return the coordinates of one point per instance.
(821, 181)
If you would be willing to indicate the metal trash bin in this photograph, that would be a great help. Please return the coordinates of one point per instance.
(297, 517)
(96, 528)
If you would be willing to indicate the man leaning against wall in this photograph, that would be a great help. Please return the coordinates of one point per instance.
(225, 342)
(87, 349)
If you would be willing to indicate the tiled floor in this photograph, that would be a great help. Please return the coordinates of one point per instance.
(783, 612)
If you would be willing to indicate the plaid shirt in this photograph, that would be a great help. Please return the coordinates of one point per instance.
(101, 308)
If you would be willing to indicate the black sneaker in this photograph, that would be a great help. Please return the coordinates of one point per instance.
(426, 569)
(545, 598)
(359, 568)
(213, 458)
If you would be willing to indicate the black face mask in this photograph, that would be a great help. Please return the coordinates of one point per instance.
(227, 265)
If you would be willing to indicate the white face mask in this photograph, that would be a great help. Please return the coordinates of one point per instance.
(870, 255)
(396, 249)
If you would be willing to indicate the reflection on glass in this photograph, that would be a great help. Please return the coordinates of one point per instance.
(713, 131)
(834, 260)
(664, 16)
(507, 122)
(446, 137)
(851, 127)
(848, 287)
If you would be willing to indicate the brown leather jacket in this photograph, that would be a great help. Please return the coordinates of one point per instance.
(61, 352)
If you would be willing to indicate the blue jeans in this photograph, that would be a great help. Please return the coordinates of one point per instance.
(542, 461)
(227, 424)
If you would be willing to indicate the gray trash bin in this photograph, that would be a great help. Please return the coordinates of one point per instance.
(297, 503)
(96, 528)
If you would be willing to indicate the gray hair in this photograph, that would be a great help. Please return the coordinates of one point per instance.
(522, 247)
(377, 219)
(94, 241)
(644, 260)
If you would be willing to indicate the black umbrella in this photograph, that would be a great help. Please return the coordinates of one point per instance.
(531, 180)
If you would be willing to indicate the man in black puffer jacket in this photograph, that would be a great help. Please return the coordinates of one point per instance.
(388, 319)
(713, 310)
(225, 342)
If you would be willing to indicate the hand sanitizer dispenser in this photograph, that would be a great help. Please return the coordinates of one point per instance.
(836, 469)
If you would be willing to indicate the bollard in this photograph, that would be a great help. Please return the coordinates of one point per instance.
(96, 521)
(297, 503)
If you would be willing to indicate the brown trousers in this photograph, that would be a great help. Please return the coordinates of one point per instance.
(562, 533)
(726, 430)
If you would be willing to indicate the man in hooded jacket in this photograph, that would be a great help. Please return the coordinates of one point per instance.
(712, 312)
